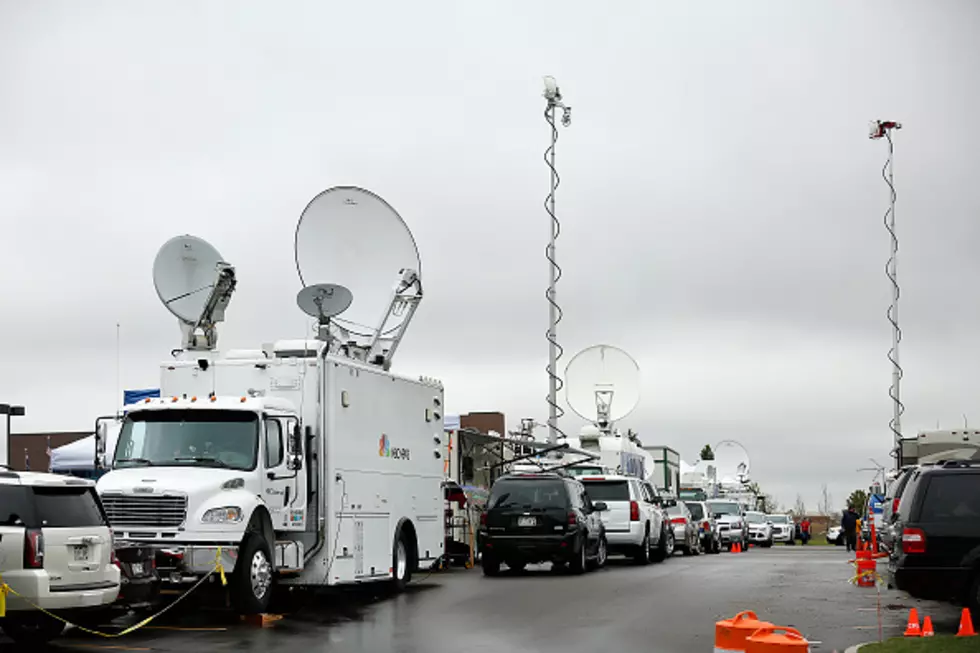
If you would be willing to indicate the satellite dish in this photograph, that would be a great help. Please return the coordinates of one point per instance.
(194, 284)
(350, 236)
(602, 383)
(731, 462)
(324, 300)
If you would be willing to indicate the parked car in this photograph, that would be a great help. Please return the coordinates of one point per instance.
(760, 528)
(707, 526)
(783, 529)
(889, 508)
(686, 536)
(140, 581)
(56, 551)
(541, 517)
(732, 527)
(936, 554)
(835, 535)
(634, 522)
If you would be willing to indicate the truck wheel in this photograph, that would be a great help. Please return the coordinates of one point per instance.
(32, 629)
(251, 582)
(490, 564)
(578, 564)
(665, 548)
(641, 555)
(401, 563)
(601, 553)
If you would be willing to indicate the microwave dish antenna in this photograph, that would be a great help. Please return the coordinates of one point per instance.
(195, 284)
(602, 385)
(348, 237)
(732, 462)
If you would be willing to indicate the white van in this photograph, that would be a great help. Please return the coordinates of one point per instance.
(56, 551)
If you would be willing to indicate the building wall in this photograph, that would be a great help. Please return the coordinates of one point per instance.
(36, 445)
(484, 422)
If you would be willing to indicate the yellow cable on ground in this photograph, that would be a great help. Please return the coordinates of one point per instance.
(6, 589)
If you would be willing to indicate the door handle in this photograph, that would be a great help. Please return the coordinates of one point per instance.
(285, 500)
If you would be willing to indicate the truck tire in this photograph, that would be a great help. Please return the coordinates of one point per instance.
(578, 563)
(250, 584)
(401, 563)
(665, 547)
(641, 555)
(31, 629)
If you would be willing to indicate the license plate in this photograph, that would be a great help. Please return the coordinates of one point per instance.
(81, 553)
(137, 568)
(526, 521)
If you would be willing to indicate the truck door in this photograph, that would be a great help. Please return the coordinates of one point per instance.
(280, 483)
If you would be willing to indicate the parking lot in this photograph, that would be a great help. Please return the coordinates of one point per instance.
(668, 608)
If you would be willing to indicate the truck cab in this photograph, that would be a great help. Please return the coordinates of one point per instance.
(208, 479)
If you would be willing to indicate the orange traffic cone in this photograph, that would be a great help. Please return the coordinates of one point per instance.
(966, 625)
(912, 629)
(927, 630)
(738, 547)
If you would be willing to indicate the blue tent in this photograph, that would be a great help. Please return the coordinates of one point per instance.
(132, 396)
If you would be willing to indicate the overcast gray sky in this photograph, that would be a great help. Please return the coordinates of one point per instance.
(721, 203)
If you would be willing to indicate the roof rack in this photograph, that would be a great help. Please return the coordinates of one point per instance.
(952, 464)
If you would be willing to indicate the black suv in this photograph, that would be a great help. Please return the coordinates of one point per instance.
(544, 517)
(937, 534)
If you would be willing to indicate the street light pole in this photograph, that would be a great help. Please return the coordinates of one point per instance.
(9, 411)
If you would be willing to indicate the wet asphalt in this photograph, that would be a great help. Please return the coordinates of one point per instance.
(661, 608)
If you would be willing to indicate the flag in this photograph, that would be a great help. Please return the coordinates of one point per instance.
(47, 452)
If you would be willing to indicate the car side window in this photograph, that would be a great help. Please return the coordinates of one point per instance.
(586, 502)
(575, 494)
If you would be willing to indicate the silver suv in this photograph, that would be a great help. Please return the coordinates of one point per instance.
(56, 551)
(732, 525)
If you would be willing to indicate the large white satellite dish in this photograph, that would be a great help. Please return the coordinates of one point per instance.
(195, 284)
(732, 462)
(348, 237)
(352, 237)
(602, 384)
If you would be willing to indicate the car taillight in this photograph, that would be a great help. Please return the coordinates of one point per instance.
(678, 520)
(33, 549)
(706, 526)
(895, 505)
(913, 540)
(634, 511)
(572, 519)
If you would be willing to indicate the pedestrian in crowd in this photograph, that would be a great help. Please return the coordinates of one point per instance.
(848, 524)
(805, 530)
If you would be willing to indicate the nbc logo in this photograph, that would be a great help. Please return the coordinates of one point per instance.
(384, 448)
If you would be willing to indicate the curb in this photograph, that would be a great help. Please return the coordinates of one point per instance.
(854, 649)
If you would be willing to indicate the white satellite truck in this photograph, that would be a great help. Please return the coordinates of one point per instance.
(306, 462)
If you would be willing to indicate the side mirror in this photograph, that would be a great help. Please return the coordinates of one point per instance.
(670, 503)
(600, 506)
(295, 460)
(101, 437)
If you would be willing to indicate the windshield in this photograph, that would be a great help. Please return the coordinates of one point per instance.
(723, 507)
(779, 519)
(697, 512)
(203, 438)
(607, 490)
(755, 518)
(528, 493)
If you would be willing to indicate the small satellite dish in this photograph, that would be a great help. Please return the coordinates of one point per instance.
(731, 462)
(602, 383)
(350, 236)
(324, 300)
(194, 284)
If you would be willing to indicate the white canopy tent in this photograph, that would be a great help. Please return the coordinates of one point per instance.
(80, 454)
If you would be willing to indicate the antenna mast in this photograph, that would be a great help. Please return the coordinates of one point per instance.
(883, 129)
(554, 102)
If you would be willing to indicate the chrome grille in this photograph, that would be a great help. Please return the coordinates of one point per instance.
(145, 511)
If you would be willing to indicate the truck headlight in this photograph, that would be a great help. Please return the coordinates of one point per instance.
(222, 515)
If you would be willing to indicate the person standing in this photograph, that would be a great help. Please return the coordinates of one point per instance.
(848, 524)
(805, 530)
